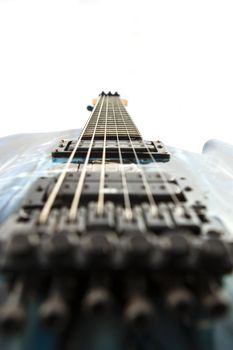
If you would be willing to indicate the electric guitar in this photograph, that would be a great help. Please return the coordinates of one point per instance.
(111, 242)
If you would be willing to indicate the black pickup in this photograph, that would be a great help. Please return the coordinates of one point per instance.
(157, 150)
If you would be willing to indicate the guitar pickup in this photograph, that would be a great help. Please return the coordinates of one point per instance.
(147, 151)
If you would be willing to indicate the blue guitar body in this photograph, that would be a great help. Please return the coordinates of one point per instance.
(25, 158)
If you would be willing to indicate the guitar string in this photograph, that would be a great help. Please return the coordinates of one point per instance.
(48, 205)
(153, 205)
(78, 192)
(127, 204)
(165, 182)
(100, 203)
(44, 214)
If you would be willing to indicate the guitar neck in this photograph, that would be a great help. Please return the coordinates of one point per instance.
(110, 119)
(110, 127)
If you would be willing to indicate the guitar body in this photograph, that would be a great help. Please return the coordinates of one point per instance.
(200, 183)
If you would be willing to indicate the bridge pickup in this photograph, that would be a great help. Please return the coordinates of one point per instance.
(115, 192)
(162, 191)
(115, 176)
(145, 150)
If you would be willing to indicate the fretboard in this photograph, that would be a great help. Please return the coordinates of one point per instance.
(111, 128)
(111, 117)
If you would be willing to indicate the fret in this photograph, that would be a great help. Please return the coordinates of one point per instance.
(120, 128)
(123, 130)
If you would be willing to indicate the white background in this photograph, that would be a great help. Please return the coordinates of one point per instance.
(173, 61)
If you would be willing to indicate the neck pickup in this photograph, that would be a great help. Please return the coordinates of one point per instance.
(146, 151)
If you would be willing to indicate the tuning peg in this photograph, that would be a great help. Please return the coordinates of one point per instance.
(54, 312)
(12, 312)
(90, 108)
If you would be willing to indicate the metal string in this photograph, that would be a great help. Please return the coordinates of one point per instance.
(78, 191)
(127, 204)
(75, 203)
(153, 205)
(100, 203)
(44, 214)
(166, 183)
